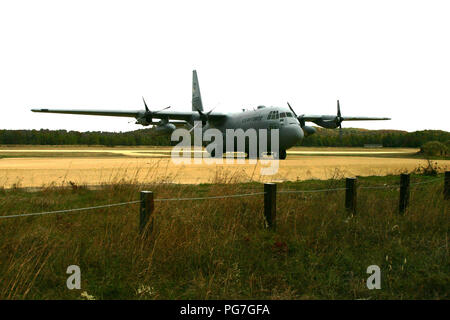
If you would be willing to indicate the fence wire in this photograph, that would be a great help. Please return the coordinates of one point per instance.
(425, 182)
(380, 187)
(69, 210)
(211, 198)
(310, 191)
(398, 186)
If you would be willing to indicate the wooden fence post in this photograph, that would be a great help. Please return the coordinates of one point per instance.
(270, 204)
(350, 195)
(404, 192)
(447, 186)
(147, 207)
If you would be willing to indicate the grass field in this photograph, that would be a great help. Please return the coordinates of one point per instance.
(218, 249)
(36, 166)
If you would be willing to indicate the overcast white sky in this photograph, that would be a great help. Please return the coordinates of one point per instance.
(380, 58)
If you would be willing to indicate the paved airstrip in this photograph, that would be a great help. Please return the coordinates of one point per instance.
(43, 166)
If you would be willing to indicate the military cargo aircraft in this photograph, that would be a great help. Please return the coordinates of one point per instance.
(292, 127)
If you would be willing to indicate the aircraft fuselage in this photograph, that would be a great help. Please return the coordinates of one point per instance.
(267, 118)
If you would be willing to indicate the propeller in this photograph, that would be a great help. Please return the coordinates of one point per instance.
(299, 118)
(204, 116)
(339, 120)
(148, 115)
(152, 112)
(190, 130)
(145, 104)
(292, 110)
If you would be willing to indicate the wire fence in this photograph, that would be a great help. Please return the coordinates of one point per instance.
(311, 191)
(70, 210)
(213, 198)
(131, 202)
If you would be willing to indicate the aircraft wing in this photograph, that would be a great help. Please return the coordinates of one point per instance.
(175, 115)
(113, 113)
(363, 118)
(313, 118)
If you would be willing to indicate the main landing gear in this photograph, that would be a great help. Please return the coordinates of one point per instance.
(281, 155)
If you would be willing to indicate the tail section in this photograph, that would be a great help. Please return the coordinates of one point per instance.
(196, 97)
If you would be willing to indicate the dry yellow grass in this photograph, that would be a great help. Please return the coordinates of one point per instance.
(37, 172)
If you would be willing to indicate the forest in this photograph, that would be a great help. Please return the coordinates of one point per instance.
(351, 137)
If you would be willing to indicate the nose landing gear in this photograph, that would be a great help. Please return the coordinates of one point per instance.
(281, 155)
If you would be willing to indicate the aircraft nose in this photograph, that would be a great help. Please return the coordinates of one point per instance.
(292, 134)
(297, 133)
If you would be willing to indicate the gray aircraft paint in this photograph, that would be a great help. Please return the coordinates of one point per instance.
(196, 96)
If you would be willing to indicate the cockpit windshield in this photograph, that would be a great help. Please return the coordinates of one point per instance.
(273, 115)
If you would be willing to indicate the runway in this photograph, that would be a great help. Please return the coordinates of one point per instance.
(154, 165)
(165, 151)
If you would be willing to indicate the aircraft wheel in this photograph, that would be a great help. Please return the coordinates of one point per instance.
(283, 154)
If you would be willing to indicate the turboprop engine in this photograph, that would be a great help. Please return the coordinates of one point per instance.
(144, 120)
(308, 130)
(165, 128)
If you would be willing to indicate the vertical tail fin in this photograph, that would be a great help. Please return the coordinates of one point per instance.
(196, 97)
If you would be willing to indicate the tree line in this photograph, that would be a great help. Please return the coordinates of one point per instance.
(350, 138)
(62, 137)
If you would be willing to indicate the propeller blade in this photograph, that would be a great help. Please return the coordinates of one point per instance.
(161, 109)
(145, 104)
(338, 109)
(193, 127)
(204, 116)
(199, 111)
(292, 110)
(339, 121)
(209, 112)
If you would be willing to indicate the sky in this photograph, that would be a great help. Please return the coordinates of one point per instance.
(379, 58)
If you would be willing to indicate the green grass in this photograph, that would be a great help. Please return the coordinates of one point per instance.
(218, 249)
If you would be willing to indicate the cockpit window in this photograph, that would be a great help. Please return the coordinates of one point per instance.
(283, 115)
(273, 115)
(289, 114)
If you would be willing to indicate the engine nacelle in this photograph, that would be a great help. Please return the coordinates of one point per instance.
(166, 128)
(309, 130)
(144, 119)
(143, 122)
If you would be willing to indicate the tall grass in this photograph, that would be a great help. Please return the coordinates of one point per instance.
(218, 249)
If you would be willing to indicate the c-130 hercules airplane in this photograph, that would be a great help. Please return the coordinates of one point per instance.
(292, 127)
